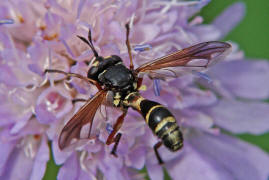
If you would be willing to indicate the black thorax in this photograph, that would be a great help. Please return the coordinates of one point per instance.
(111, 73)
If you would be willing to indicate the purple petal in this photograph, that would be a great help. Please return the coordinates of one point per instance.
(70, 169)
(68, 49)
(67, 31)
(195, 119)
(182, 82)
(170, 22)
(155, 171)
(145, 33)
(205, 33)
(232, 157)
(43, 115)
(7, 76)
(21, 122)
(59, 156)
(36, 69)
(53, 103)
(230, 18)
(192, 166)
(241, 117)
(41, 160)
(136, 158)
(247, 79)
(57, 6)
(83, 175)
(5, 151)
(18, 166)
(116, 30)
(80, 8)
(197, 97)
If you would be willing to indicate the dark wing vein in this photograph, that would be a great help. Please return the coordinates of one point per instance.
(204, 50)
(85, 115)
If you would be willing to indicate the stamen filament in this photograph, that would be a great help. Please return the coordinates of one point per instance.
(157, 87)
(6, 21)
(142, 47)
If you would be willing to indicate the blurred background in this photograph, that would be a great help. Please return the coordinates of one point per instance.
(252, 36)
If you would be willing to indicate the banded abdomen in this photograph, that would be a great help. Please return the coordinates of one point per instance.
(160, 120)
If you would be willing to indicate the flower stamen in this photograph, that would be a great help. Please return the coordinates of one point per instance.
(203, 76)
(109, 128)
(6, 21)
(156, 87)
(142, 47)
(20, 18)
(50, 38)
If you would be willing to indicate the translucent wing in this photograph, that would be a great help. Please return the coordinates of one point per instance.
(194, 58)
(85, 115)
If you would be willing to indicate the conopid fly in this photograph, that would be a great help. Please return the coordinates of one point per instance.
(111, 75)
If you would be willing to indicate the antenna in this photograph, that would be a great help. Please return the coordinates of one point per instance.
(89, 42)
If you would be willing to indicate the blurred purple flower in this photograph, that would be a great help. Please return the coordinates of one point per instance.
(34, 107)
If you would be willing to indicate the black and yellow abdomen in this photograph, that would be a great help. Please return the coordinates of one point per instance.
(160, 120)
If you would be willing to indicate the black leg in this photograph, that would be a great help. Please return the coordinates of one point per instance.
(78, 100)
(156, 147)
(117, 140)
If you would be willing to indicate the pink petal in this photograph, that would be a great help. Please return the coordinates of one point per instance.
(241, 117)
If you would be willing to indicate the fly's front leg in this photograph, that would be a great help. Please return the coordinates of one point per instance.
(74, 75)
(129, 46)
(116, 139)
(156, 147)
(78, 100)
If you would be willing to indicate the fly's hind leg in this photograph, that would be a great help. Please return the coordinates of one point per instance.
(156, 147)
(74, 75)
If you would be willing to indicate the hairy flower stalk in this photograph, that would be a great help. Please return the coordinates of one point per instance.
(34, 107)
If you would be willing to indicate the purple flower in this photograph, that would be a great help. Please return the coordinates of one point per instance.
(34, 107)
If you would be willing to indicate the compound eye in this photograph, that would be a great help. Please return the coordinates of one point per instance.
(92, 73)
(116, 58)
(99, 58)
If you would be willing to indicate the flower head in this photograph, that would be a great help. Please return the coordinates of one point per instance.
(36, 106)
